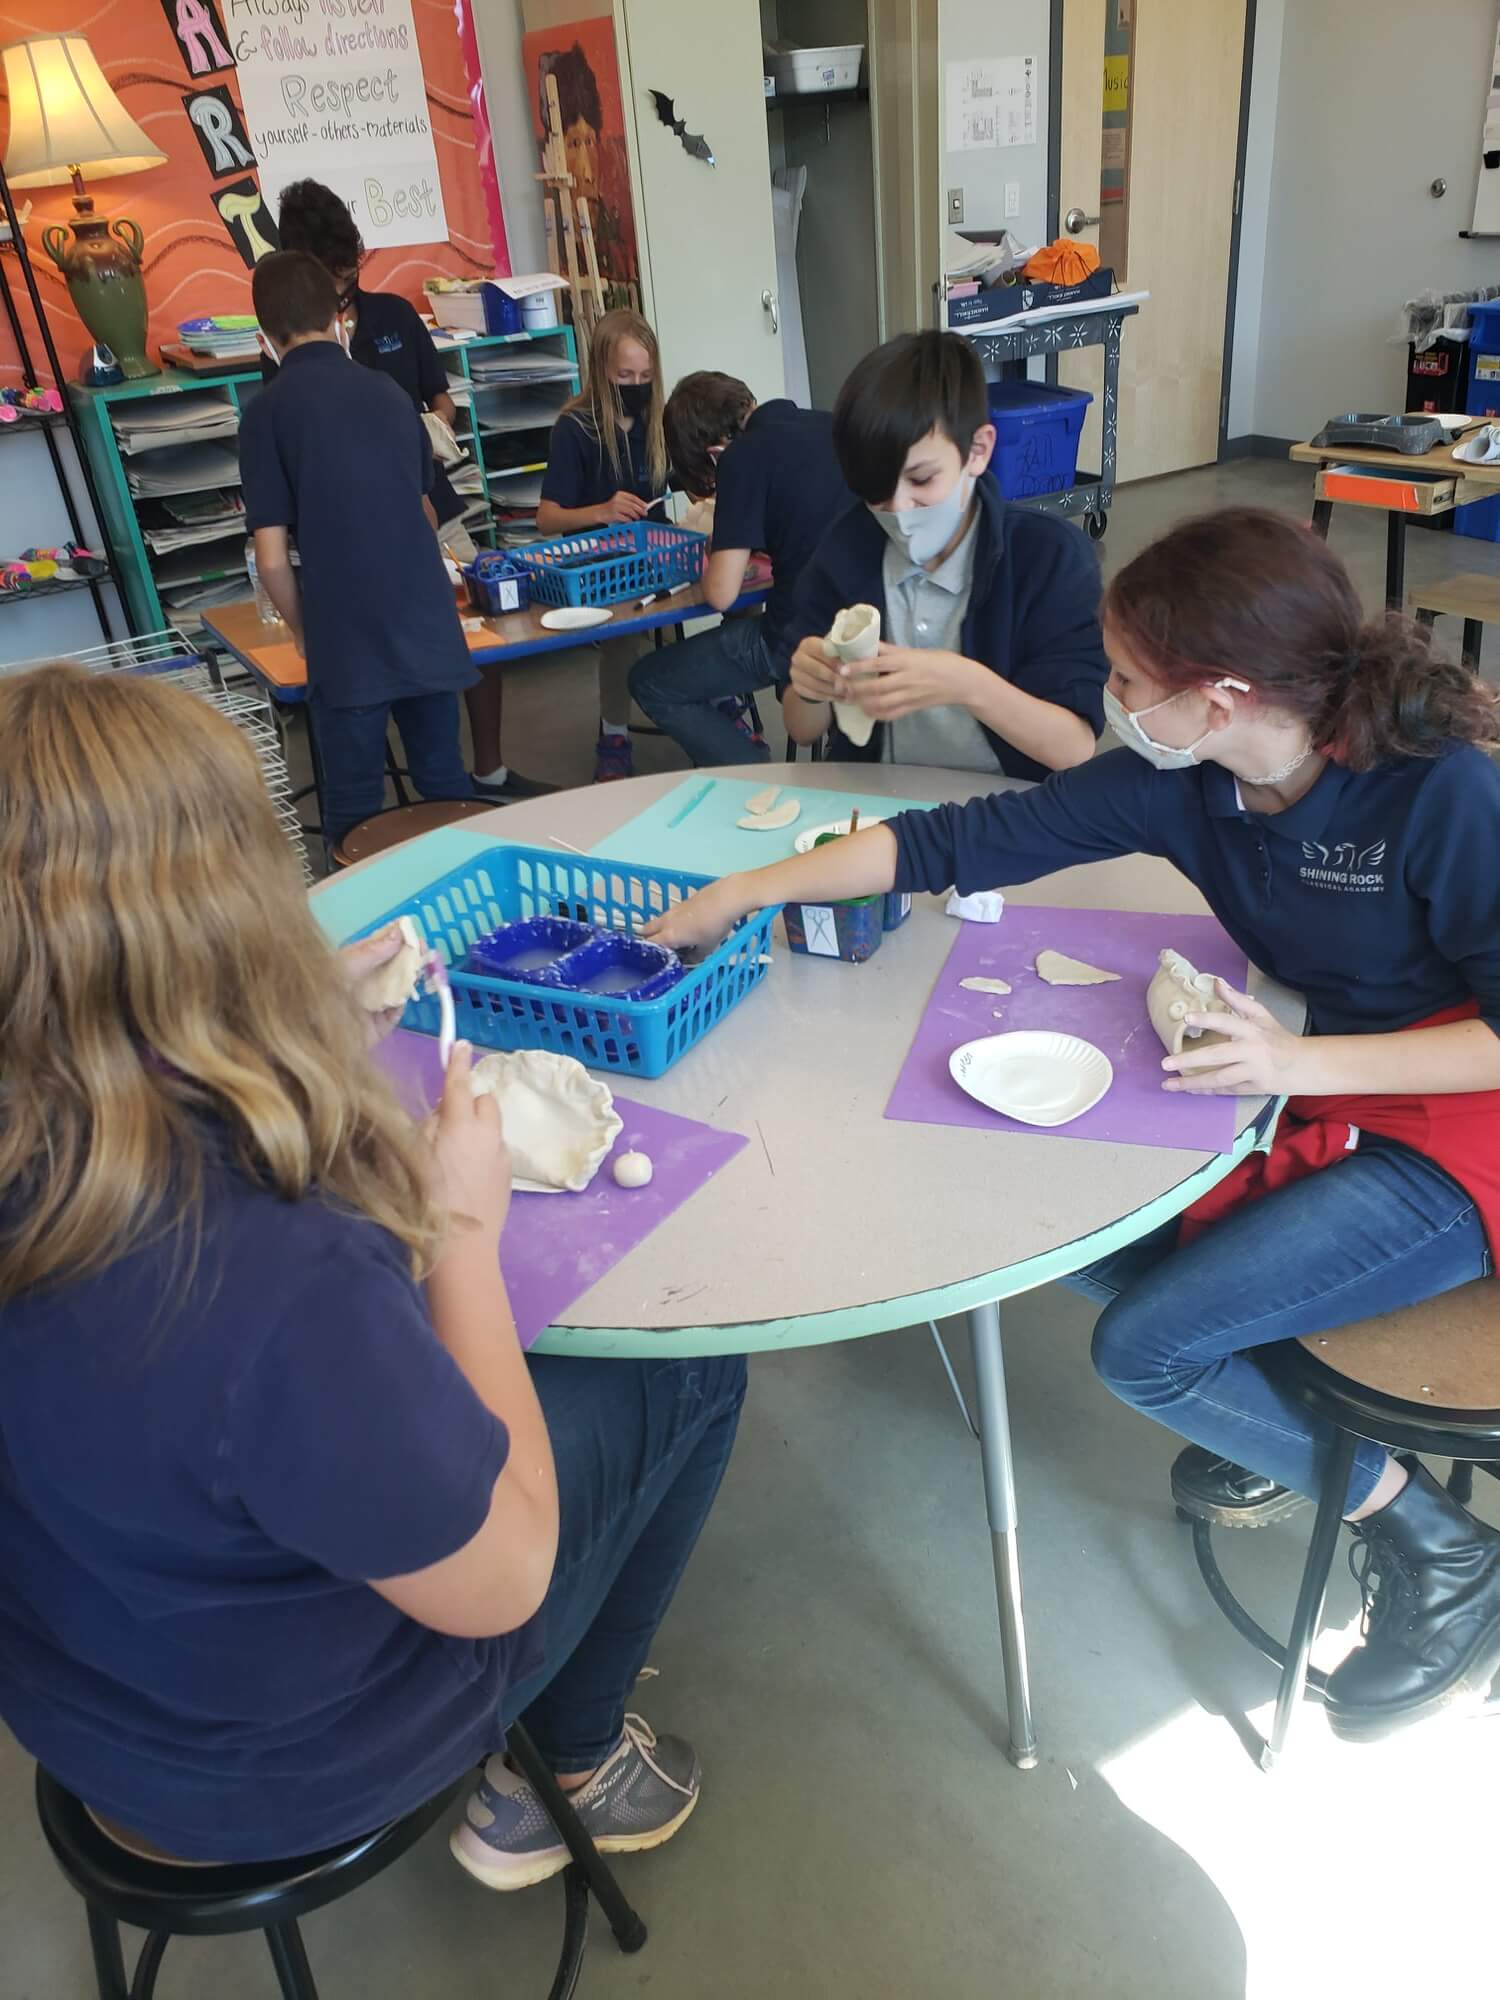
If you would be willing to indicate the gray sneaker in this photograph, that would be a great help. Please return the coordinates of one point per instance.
(640, 1795)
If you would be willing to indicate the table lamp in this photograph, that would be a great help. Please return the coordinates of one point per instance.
(64, 118)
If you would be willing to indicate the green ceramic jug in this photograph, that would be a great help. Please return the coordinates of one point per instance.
(104, 282)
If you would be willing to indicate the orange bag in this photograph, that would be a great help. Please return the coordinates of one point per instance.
(1063, 262)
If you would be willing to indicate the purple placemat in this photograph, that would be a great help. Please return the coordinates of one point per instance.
(1135, 1110)
(555, 1246)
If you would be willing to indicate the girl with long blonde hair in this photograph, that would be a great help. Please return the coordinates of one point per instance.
(280, 1495)
(607, 463)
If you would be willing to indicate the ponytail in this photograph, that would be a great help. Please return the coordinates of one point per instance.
(1257, 596)
(1396, 697)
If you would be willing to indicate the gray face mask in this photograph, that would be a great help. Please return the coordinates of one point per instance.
(924, 532)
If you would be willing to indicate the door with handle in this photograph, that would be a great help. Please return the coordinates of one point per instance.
(708, 244)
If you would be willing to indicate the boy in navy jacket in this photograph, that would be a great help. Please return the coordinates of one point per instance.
(991, 657)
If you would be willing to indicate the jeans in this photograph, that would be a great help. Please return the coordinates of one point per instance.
(640, 1448)
(1180, 1327)
(677, 687)
(351, 751)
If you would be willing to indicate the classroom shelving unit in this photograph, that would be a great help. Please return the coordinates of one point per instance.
(503, 427)
(52, 427)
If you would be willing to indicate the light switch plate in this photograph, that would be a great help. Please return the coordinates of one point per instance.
(955, 204)
(1012, 199)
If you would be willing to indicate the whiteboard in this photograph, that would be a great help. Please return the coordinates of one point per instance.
(1487, 193)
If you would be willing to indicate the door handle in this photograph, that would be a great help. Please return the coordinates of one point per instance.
(1075, 219)
(768, 300)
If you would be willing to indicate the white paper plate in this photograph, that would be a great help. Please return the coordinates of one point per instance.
(1032, 1075)
(576, 617)
(808, 839)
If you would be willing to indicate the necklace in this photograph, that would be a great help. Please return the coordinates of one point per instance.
(1283, 771)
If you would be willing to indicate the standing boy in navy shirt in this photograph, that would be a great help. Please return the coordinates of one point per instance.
(336, 456)
(990, 658)
(776, 485)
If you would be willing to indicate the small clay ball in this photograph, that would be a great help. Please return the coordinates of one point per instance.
(633, 1170)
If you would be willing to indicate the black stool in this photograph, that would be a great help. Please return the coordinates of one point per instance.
(1425, 1379)
(167, 1900)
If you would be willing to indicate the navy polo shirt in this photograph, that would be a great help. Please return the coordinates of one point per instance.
(579, 473)
(778, 488)
(389, 336)
(1032, 616)
(338, 455)
(1373, 896)
(195, 1486)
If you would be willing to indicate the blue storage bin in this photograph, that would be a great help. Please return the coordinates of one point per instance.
(502, 313)
(607, 565)
(505, 884)
(496, 583)
(1036, 442)
(1480, 520)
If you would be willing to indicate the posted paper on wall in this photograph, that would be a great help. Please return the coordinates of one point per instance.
(333, 89)
(991, 101)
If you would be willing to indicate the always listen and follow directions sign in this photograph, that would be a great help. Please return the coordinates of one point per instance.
(333, 89)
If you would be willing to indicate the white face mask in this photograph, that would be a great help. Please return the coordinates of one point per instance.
(924, 532)
(1127, 725)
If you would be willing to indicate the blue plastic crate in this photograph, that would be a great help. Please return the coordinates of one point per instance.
(1036, 437)
(504, 884)
(606, 565)
(497, 583)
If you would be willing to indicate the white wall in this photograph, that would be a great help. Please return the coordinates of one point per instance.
(972, 28)
(498, 26)
(1255, 212)
(1372, 103)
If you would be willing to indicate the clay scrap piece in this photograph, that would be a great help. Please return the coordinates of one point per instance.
(763, 801)
(633, 1170)
(772, 821)
(1060, 970)
(1177, 989)
(390, 985)
(559, 1121)
(854, 636)
(978, 985)
(980, 906)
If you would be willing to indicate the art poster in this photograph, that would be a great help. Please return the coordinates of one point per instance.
(333, 90)
(580, 56)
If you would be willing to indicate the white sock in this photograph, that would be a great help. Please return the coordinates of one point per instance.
(613, 729)
(496, 777)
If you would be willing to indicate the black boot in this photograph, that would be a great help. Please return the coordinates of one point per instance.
(1217, 1490)
(1430, 1577)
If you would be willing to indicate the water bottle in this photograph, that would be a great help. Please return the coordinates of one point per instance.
(265, 610)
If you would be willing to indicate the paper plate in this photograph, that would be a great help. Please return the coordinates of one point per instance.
(576, 617)
(808, 839)
(1032, 1075)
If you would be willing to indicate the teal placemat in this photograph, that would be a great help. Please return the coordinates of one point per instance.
(705, 838)
(352, 901)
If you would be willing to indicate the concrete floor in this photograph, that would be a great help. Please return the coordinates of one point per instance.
(833, 1653)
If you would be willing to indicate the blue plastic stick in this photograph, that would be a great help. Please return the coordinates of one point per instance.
(695, 801)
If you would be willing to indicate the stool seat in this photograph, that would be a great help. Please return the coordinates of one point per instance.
(385, 830)
(1442, 1355)
(1468, 596)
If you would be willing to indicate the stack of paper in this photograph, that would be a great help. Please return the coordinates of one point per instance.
(186, 521)
(982, 257)
(461, 390)
(221, 336)
(185, 468)
(154, 422)
(522, 410)
(519, 365)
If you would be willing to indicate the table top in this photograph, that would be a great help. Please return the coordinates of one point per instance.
(491, 641)
(1425, 464)
(833, 1221)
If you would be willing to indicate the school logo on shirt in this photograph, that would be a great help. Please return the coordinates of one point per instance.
(388, 343)
(1345, 865)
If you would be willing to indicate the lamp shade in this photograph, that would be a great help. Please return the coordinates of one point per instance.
(63, 114)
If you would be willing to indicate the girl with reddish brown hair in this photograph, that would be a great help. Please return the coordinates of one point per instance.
(1324, 781)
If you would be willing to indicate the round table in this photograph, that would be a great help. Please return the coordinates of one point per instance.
(763, 1257)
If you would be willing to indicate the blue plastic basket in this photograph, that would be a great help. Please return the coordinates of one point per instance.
(1037, 429)
(504, 884)
(497, 583)
(608, 564)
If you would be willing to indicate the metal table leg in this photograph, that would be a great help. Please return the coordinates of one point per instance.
(1395, 559)
(1000, 1504)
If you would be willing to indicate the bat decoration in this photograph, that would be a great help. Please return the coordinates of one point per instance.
(693, 143)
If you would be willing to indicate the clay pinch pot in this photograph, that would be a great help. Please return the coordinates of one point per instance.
(559, 1122)
(854, 636)
(1178, 989)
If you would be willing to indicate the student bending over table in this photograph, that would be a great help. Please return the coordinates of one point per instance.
(776, 485)
(990, 656)
(290, 1528)
(1324, 783)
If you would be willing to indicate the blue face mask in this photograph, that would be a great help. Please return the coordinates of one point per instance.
(924, 532)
